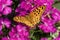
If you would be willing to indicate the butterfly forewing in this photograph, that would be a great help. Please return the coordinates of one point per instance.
(36, 14)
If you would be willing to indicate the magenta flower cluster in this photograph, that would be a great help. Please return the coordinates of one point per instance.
(28, 6)
(19, 31)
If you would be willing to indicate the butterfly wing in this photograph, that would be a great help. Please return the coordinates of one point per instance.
(36, 14)
(22, 19)
(32, 18)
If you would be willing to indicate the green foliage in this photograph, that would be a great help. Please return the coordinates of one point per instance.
(36, 34)
(57, 24)
(5, 31)
(56, 0)
(57, 4)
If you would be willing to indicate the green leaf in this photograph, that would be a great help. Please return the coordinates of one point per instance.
(57, 24)
(56, 0)
(54, 35)
(49, 38)
(5, 31)
(57, 5)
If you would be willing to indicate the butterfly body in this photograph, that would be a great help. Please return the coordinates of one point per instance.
(32, 18)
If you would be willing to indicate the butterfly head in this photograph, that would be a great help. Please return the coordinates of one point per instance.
(16, 18)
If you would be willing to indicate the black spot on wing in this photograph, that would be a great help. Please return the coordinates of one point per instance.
(38, 13)
(38, 10)
(42, 7)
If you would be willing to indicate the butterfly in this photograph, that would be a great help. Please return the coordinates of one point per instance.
(32, 18)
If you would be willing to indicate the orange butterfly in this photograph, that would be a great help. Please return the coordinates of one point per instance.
(32, 18)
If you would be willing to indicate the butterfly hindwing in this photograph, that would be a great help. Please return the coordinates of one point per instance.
(23, 20)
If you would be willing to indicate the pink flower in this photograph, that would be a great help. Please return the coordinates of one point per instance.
(12, 33)
(58, 38)
(56, 14)
(19, 33)
(25, 5)
(47, 28)
(6, 2)
(5, 38)
(44, 39)
(22, 30)
(4, 6)
(22, 13)
(4, 22)
(7, 11)
(47, 20)
(1, 33)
